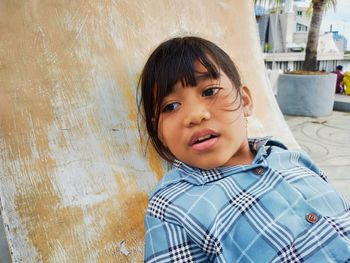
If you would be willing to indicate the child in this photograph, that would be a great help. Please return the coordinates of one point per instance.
(228, 198)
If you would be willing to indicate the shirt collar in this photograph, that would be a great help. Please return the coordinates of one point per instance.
(200, 176)
(185, 173)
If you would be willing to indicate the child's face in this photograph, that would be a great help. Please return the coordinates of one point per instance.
(204, 126)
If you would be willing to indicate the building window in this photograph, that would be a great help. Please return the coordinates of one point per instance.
(299, 13)
(301, 28)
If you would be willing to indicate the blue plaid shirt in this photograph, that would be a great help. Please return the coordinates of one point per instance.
(280, 208)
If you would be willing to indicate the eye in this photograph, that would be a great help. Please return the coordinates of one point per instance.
(210, 92)
(171, 107)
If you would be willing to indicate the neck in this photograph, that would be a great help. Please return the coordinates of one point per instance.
(242, 156)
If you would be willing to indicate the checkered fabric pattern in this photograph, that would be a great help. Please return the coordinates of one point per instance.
(181, 253)
(289, 254)
(232, 214)
(244, 201)
(211, 175)
(338, 224)
(210, 244)
(323, 176)
(158, 206)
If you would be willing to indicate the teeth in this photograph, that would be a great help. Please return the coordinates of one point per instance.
(203, 138)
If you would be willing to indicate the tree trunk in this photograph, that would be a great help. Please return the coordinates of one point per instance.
(310, 62)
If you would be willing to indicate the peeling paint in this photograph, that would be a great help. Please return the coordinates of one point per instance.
(122, 248)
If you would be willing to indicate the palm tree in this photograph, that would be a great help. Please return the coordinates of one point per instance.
(318, 8)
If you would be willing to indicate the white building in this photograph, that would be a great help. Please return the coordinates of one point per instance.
(286, 30)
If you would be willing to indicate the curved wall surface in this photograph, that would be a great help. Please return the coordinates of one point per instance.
(73, 179)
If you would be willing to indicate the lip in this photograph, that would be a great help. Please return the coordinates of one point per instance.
(205, 145)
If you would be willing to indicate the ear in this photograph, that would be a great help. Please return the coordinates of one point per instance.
(247, 101)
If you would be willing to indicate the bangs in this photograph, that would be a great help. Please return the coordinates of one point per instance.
(179, 65)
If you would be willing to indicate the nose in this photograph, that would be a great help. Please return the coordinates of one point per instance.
(196, 114)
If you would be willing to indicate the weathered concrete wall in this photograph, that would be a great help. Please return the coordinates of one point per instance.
(73, 179)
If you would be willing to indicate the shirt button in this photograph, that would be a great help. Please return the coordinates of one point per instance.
(259, 170)
(311, 218)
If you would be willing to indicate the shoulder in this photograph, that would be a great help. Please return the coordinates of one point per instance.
(170, 179)
(171, 187)
(276, 147)
(280, 156)
(277, 151)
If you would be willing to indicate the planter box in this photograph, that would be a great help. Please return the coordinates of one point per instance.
(306, 95)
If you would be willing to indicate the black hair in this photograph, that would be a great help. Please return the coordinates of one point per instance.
(173, 61)
(339, 67)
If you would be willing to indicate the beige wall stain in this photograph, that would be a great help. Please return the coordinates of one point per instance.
(155, 162)
(122, 237)
(49, 227)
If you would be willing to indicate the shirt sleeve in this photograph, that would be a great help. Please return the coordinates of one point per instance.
(306, 161)
(166, 242)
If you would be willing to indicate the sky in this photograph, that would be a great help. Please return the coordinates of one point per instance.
(339, 19)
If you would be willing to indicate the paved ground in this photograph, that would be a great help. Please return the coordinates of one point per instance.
(327, 141)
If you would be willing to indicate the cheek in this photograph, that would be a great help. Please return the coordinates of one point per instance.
(230, 113)
(163, 131)
(160, 133)
(229, 101)
(233, 122)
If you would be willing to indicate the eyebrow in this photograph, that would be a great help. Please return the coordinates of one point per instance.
(203, 76)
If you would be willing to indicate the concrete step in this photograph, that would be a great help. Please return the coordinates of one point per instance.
(342, 103)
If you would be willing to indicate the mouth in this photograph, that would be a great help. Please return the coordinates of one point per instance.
(203, 140)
